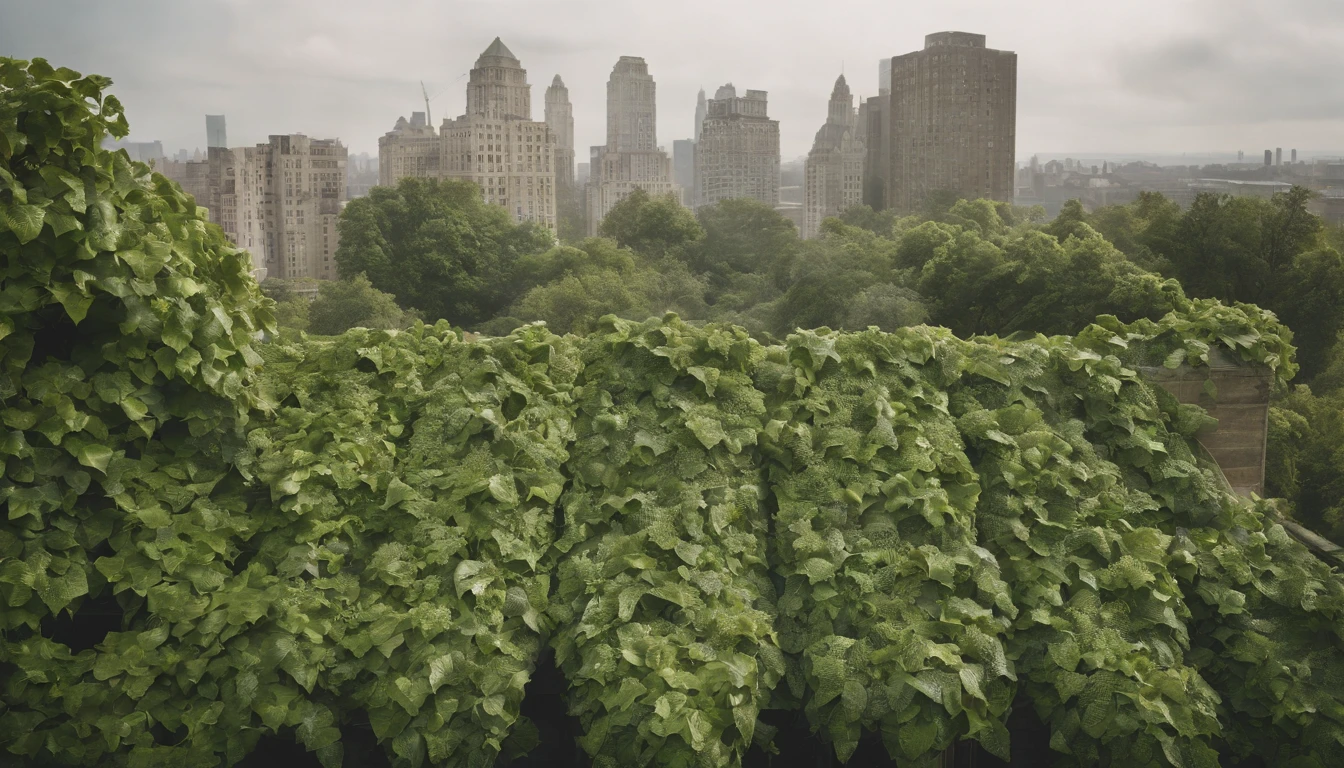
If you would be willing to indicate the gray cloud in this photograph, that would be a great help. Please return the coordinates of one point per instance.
(1146, 75)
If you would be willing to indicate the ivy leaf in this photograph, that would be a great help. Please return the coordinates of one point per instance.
(25, 221)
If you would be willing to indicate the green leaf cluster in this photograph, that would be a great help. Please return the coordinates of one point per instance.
(664, 604)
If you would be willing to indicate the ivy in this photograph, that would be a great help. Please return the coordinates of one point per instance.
(664, 601)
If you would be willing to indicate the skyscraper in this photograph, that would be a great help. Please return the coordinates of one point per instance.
(215, 135)
(833, 174)
(952, 123)
(701, 109)
(496, 144)
(738, 152)
(630, 159)
(280, 201)
(560, 119)
(683, 167)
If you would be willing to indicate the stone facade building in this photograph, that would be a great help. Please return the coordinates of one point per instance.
(631, 158)
(496, 144)
(738, 153)
(833, 175)
(952, 122)
(280, 200)
(410, 149)
(560, 119)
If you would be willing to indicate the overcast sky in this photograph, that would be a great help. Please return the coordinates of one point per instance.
(1149, 76)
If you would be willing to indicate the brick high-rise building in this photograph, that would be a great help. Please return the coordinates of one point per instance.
(631, 158)
(833, 173)
(496, 144)
(560, 119)
(738, 152)
(952, 124)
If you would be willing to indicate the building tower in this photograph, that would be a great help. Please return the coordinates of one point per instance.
(497, 87)
(496, 144)
(952, 123)
(631, 158)
(215, 135)
(632, 111)
(701, 109)
(560, 119)
(738, 153)
(833, 173)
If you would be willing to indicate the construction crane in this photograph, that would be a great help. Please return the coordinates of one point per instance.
(429, 120)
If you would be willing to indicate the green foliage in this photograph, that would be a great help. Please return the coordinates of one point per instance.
(893, 613)
(1273, 253)
(576, 286)
(664, 600)
(128, 376)
(291, 309)
(354, 303)
(438, 247)
(412, 478)
(653, 226)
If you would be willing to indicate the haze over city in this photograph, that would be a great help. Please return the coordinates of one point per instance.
(1143, 77)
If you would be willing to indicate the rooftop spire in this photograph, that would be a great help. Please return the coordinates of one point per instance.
(498, 48)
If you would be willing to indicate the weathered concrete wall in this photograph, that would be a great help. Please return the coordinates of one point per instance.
(1241, 407)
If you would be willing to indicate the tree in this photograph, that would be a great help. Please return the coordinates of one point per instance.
(438, 247)
(743, 236)
(1274, 253)
(291, 309)
(877, 222)
(354, 303)
(652, 226)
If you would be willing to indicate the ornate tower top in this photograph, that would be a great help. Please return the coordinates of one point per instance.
(498, 85)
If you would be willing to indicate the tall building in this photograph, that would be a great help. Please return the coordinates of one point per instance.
(215, 135)
(287, 195)
(952, 124)
(631, 158)
(560, 119)
(738, 152)
(873, 116)
(833, 175)
(496, 144)
(280, 200)
(683, 168)
(701, 109)
(410, 149)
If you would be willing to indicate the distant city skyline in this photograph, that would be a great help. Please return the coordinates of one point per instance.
(1139, 78)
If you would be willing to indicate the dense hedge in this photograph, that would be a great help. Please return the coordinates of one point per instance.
(897, 532)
